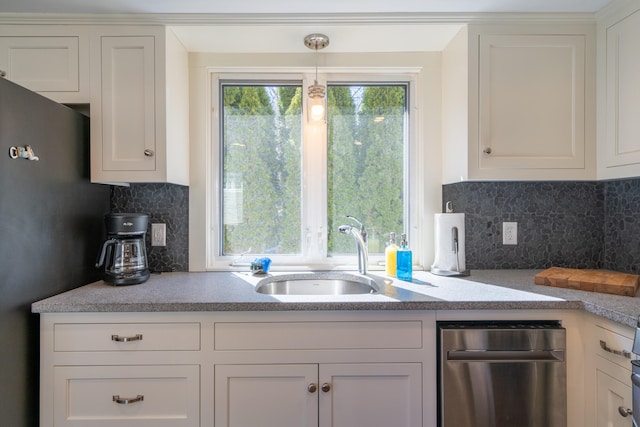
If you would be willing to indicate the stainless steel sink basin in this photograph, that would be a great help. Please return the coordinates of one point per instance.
(317, 284)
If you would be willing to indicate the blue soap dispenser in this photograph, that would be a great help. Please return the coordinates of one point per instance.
(404, 269)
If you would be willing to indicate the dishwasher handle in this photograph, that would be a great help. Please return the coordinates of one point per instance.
(506, 355)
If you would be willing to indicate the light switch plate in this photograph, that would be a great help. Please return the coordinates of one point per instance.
(159, 234)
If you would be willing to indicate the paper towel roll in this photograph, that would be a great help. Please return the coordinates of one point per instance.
(449, 258)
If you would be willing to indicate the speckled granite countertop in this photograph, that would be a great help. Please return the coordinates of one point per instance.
(227, 291)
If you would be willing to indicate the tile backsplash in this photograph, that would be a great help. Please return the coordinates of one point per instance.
(622, 225)
(568, 224)
(167, 203)
(578, 224)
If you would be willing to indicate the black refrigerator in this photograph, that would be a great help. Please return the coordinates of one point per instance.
(51, 226)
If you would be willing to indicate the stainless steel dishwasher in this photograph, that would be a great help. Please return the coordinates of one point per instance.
(502, 374)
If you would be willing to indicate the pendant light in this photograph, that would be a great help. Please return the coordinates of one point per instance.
(316, 95)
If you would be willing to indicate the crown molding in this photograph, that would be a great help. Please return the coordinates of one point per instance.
(293, 19)
(617, 8)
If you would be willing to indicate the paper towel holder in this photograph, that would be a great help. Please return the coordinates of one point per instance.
(454, 248)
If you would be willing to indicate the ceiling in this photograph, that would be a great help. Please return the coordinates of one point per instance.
(279, 26)
(298, 6)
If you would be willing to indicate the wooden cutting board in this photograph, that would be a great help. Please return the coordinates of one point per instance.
(607, 282)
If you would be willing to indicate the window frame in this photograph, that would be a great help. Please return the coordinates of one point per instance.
(314, 209)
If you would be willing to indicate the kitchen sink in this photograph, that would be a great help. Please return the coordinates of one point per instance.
(329, 283)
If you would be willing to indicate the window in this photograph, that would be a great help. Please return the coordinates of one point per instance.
(286, 185)
(261, 164)
(366, 148)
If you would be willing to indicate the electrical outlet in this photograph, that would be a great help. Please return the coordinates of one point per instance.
(158, 234)
(509, 233)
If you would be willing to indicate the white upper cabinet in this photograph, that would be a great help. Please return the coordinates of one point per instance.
(139, 106)
(525, 107)
(51, 60)
(619, 94)
(531, 101)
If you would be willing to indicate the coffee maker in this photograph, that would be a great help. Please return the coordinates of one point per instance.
(123, 254)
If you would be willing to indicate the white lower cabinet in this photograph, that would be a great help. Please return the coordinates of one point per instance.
(129, 396)
(608, 364)
(266, 395)
(371, 395)
(325, 395)
(291, 369)
(614, 399)
(284, 369)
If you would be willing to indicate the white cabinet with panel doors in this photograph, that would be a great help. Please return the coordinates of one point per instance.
(519, 103)
(326, 395)
(297, 368)
(614, 400)
(608, 370)
(103, 369)
(285, 369)
(139, 106)
(619, 92)
(52, 60)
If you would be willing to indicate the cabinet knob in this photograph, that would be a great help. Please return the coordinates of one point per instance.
(326, 387)
(312, 388)
(487, 151)
(148, 153)
(3, 73)
(625, 412)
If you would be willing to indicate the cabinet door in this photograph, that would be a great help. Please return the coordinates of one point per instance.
(266, 396)
(612, 395)
(623, 92)
(531, 102)
(128, 103)
(371, 395)
(42, 64)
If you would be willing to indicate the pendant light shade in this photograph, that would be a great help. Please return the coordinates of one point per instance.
(316, 108)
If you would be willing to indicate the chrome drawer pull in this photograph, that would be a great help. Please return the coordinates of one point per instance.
(623, 353)
(118, 338)
(126, 401)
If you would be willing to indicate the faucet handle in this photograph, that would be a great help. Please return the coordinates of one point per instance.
(363, 230)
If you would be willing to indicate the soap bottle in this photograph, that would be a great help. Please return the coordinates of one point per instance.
(404, 269)
(390, 255)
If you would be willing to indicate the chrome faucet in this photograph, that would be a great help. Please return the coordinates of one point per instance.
(360, 235)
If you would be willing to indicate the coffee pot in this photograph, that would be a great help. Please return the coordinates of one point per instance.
(123, 254)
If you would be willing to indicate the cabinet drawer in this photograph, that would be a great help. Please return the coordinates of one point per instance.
(126, 336)
(166, 396)
(318, 335)
(613, 346)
